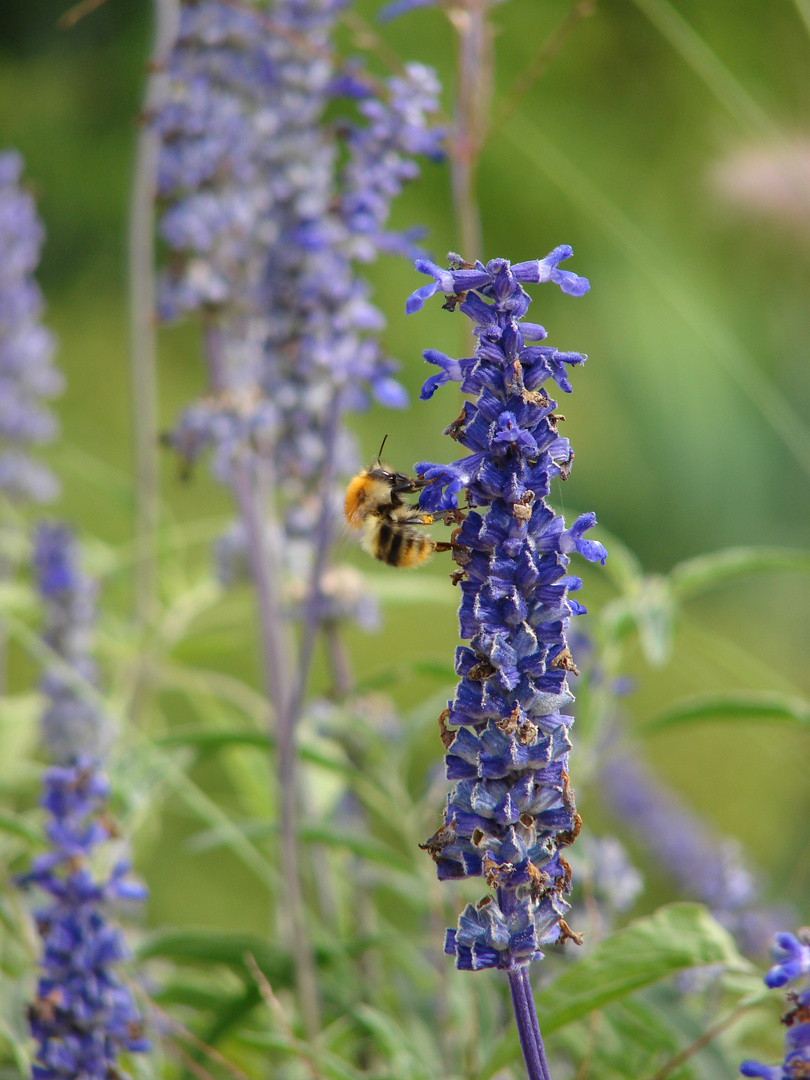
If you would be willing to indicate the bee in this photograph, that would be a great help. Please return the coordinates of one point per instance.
(391, 528)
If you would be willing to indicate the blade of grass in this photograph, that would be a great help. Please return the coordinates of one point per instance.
(709, 68)
(803, 8)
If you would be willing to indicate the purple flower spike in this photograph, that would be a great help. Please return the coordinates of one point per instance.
(792, 955)
(270, 210)
(511, 812)
(451, 371)
(83, 1015)
(72, 723)
(27, 374)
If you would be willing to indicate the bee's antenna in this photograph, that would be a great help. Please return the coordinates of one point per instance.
(379, 452)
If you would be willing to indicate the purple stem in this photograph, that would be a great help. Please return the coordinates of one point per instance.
(342, 680)
(277, 668)
(531, 1041)
(313, 610)
(248, 489)
(143, 349)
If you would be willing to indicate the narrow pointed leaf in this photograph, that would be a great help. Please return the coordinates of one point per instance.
(744, 705)
(695, 576)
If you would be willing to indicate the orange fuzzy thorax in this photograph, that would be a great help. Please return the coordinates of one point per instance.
(353, 506)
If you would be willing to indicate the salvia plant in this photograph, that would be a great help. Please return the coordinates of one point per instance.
(511, 812)
(276, 780)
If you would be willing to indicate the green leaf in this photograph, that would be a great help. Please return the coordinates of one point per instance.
(675, 937)
(205, 946)
(741, 705)
(270, 1040)
(695, 576)
(201, 946)
(211, 740)
(647, 607)
(367, 847)
(327, 1064)
(191, 994)
(406, 1056)
(334, 1067)
(231, 1012)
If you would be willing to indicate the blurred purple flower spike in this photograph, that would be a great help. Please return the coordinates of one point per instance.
(83, 1015)
(27, 374)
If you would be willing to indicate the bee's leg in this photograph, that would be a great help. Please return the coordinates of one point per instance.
(461, 554)
(423, 518)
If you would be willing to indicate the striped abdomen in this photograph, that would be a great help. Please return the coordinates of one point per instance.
(400, 545)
